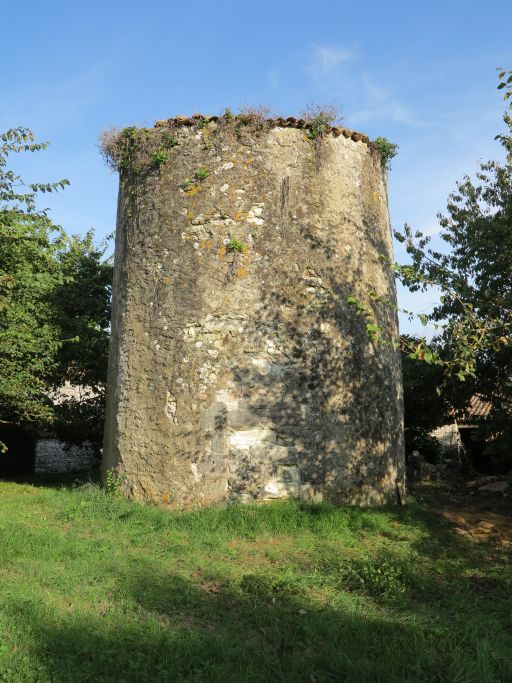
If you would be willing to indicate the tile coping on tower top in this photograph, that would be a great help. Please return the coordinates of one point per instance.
(290, 122)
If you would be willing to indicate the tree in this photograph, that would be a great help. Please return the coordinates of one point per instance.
(473, 344)
(474, 273)
(27, 274)
(29, 342)
(424, 410)
(475, 277)
(54, 299)
(82, 313)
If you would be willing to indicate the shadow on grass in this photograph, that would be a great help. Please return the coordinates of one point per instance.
(154, 616)
(173, 631)
(67, 480)
(159, 626)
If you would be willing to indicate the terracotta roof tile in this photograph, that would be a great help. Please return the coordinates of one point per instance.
(290, 122)
(477, 409)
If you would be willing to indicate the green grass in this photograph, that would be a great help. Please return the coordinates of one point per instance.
(95, 588)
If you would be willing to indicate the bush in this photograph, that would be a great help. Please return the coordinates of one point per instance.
(387, 150)
(320, 118)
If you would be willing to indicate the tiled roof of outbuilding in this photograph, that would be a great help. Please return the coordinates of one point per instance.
(477, 408)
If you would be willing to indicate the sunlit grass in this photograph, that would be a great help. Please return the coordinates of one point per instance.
(96, 588)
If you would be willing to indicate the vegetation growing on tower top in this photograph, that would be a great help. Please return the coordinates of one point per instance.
(320, 118)
(386, 149)
(132, 148)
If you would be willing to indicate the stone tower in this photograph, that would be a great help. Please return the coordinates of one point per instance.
(237, 369)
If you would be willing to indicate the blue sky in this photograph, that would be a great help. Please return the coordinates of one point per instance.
(421, 74)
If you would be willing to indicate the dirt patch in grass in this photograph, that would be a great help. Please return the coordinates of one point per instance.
(481, 526)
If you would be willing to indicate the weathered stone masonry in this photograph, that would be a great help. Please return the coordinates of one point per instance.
(237, 370)
(53, 456)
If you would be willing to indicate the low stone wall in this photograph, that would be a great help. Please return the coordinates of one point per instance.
(449, 438)
(55, 457)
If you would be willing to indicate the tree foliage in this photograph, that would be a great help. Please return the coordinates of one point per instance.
(473, 319)
(82, 315)
(29, 344)
(54, 299)
(474, 274)
(473, 271)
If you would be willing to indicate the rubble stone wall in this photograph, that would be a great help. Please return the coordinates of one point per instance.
(449, 438)
(54, 457)
(237, 369)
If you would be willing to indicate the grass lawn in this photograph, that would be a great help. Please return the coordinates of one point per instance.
(95, 588)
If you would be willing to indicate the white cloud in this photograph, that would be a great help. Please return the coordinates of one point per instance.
(381, 104)
(326, 66)
(324, 60)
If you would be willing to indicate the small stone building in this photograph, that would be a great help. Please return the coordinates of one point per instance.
(28, 453)
(238, 371)
(464, 435)
(53, 456)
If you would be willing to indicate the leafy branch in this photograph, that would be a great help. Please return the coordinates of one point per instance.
(473, 319)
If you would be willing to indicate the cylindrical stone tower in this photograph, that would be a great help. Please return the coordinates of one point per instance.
(237, 369)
